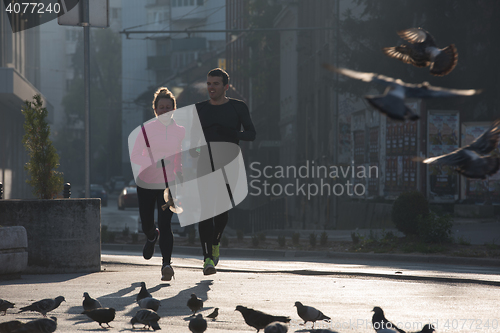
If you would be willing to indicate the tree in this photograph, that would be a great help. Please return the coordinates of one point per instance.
(44, 160)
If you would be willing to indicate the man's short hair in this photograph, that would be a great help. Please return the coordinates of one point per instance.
(221, 73)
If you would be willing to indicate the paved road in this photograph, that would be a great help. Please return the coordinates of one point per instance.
(456, 299)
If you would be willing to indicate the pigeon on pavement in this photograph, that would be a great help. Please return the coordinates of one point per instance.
(146, 317)
(89, 303)
(198, 324)
(391, 102)
(422, 52)
(276, 327)
(308, 313)
(325, 330)
(4, 305)
(472, 160)
(149, 303)
(44, 325)
(379, 321)
(257, 319)
(194, 303)
(214, 314)
(101, 315)
(10, 326)
(143, 293)
(44, 306)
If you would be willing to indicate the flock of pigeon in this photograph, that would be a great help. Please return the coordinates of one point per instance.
(148, 316)
(472, 161)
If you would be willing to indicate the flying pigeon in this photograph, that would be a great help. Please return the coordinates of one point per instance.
(10, 326)
(257, 319)
(4, 305)
(149, 303)
(194, 303)
(89, 303)
(422, 52)
(473, 160)
(391, 102)
(276, 327)
(146, 317)
(214, 314)
(198, 324)
(380, 322)
(44, 325)
(308, 313)
(143, 293)
(44, 306)
(101, 315)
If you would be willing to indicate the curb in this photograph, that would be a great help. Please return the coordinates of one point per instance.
(263, 253)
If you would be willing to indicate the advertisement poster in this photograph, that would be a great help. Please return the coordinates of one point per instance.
(479, 190)
(443, 129)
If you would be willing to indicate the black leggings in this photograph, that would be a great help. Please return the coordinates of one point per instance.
(147, 200)
(211, 232)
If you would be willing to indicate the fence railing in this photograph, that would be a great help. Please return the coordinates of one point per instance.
(268, 216)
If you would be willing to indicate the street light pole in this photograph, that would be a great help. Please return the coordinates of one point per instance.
(86, 71)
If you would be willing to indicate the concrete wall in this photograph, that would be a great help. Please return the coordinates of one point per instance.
(13, 251)
(64, 235)
(474, 211)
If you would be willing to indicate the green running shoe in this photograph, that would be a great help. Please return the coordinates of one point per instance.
(208, 267)
(215, 254)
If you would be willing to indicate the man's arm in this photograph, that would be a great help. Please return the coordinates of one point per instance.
(248, 133)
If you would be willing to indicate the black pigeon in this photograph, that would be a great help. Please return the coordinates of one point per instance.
(428, 328)
(214, 314)
(308, 313)
(44, 325)
(422, 52)
(101, 315)
(4, 305)
(44, 306)
(146, 317)
(89, 303)
(391, 102)
(276, 327)
(259, 320)
(10, 326)
(194, 303)
(380, 322)
(473, 160)
(143, 293)
(198, 324)
(149, 303)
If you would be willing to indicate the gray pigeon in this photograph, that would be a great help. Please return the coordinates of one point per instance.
(149, 303)
(44, 306)
(146, 317)
(44, 325)
(89, 303)
(194, 303)
(308, 313)
(143, 293)
(422, 52)
(258, 319)
(472, 160)
(10, 326)
(4, 305)
(101, 315)
(214, 314)
(198, 324)
(379, 321)
(276, 327)
(391, 102)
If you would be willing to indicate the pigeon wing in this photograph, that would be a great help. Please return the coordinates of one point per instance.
(488, 141)
(455, 158)
(417, 35)
(425, 90)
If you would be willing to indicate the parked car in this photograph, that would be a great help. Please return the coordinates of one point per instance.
(116, 183)
(176, 226)
(97, 191)
(128, 198)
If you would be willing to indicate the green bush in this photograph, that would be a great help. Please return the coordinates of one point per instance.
(281, 241)
(255, 241)
(104, 234)
(262, 236)
(135, 237)
(434, 228)
(47, 183)
(323, 239)
(191, 235)
(406, 209)
(239, 235)
(126, 231)
(296, 238)
(312, 239)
